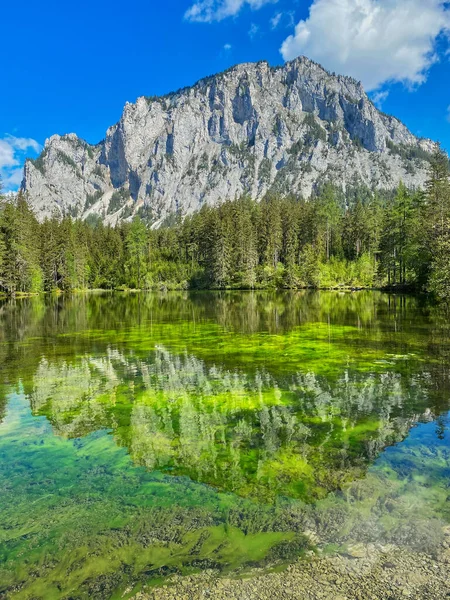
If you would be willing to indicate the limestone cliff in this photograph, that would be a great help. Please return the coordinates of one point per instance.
(249, 130)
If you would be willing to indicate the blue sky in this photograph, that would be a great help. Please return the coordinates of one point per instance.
(70, 67)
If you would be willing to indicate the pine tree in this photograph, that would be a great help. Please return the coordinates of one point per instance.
(437, 198)
(439, 283)
(136, 246)
(2, 236)
(245, 249)
(328, 214)
(20, 269)
(289, 253)
(11, 259)
(31, 279)
(272, 231)
(49, 253)
(106, 261)
(437, 193)
(57, 258)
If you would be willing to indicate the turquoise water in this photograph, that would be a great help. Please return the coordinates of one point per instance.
(144, 435)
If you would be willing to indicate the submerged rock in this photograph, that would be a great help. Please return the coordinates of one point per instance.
(415, 576)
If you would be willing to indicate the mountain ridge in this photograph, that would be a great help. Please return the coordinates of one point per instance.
(250, 130)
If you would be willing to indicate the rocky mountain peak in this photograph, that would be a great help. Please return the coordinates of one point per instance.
(251, 130)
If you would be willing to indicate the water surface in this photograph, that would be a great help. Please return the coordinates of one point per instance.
(144, 435)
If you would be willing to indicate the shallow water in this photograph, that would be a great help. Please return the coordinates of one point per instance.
(144, 435)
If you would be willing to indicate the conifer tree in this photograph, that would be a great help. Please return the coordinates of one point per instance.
(289, 254)
(335, 239)
(437, 193)
(437, 197)
(20, 269)
(2, 236)
(245, 248)
(272, 231)
(329, 214)
(136, 245)
(31, 279)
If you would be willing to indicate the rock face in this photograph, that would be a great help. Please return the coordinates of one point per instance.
(250, 130)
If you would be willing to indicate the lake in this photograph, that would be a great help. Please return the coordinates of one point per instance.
(143, 435)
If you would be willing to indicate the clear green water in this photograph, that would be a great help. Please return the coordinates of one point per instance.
(143, 435)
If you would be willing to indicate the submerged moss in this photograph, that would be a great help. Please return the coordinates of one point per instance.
(148, 435)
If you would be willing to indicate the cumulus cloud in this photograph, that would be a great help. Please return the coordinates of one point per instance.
(12, 155)
(207, 11)
(375, 41)
(227, 47)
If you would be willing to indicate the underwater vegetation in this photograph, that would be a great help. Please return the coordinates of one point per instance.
(145, 435)
(301, 436)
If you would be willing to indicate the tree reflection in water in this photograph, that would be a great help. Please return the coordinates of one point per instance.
(315, 419)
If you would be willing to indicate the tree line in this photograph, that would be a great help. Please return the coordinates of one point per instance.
(359, 238)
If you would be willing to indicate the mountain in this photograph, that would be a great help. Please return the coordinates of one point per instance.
(250, 130)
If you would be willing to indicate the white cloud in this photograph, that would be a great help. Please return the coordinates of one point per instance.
(13, 179)
(207, 11)
(227, 47)
(253, 31)
(375, 41)
(12, 155)
(291, 18)
(286, 19)
(275, 20)
(379, 97)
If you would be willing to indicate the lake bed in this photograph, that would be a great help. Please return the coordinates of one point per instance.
(153, 436)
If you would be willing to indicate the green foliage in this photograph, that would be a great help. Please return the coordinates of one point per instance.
(135, 244)
(154, 434)
(264, 170)
(408, 153)
(335, 239)
(64, 254)
(277, 126)
(127, 212)
(342, 273)
(118, 199)
(400, 259)
(315, 131)
(329, 211)
(91, 199)
(39, 162)
(145, 213)
(93, 220)
(296, 148)
(435, 236)
(439, 283)
(67, 160)
(357, 142)
(97, 170)
(20, 270)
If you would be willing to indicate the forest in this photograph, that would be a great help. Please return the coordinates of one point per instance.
(357, 239)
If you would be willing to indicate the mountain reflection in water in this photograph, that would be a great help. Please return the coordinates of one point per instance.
(315, 421)
(300, 436)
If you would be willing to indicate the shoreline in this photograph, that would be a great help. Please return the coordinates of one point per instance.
(163, 289)
(372, 572)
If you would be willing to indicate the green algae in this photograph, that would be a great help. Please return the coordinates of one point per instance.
(247, 434)
(104, 514)
(147, 435)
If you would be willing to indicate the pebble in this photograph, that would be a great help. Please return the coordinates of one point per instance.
(395, 573)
